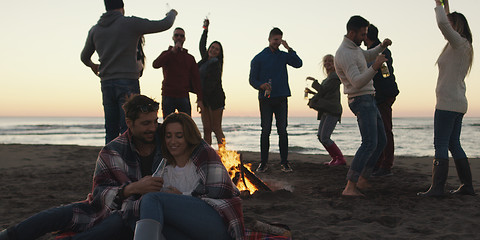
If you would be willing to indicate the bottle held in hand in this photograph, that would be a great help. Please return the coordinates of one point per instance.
(268, 91)
(385, 71)
(160, 169)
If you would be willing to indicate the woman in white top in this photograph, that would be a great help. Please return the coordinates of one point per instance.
(454, 63)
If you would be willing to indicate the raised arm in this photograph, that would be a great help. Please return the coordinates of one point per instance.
(203, 40)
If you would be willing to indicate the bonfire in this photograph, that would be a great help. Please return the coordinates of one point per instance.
(241, 174)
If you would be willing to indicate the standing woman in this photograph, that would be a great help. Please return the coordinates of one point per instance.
(211, 68)
(454, 63)
(329, 109)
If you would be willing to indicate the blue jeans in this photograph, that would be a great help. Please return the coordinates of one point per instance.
(447, 130)
(279, 107)
(59, 219)
(170, 104)
(183, 217)
(114, 94)
(373, 135)
(325, 129)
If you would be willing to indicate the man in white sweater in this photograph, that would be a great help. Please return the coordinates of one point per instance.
(356, 76)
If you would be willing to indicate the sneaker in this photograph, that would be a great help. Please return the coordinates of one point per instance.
(286, 167)
(382, 172)
(262, 167)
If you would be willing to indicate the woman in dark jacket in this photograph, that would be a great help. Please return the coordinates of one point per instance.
(211, 67)
(327, 102)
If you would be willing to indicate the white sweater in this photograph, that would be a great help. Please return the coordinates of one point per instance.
(185, 179)
(351, 67)
(453, 66)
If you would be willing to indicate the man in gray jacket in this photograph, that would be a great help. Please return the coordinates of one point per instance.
(115, 38)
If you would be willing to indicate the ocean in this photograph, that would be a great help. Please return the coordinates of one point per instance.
(413, 136)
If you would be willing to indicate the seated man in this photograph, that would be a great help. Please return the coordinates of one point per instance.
(122, 175)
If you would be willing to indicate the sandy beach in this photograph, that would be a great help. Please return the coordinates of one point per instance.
(309, 201)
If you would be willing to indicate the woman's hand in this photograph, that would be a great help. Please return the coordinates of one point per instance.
(172, 190)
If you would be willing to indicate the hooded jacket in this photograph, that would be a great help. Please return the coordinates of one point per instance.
(115, 38)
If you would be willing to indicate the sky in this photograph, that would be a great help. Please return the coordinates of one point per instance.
(42, 75)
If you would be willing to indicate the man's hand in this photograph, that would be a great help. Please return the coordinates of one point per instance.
(94, 68)
(178, 47)
(285, 44)
(387, 42)
(378, 62)
(266, 86)
(174, 12)
(145, 185)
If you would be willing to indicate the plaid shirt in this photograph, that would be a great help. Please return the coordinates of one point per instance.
(118, 163)
(217, 189)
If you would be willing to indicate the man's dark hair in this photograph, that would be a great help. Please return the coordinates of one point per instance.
(372, 33)
(178, 28)
(113, 4)
(275, 31)
(136, 104)
(356, 22)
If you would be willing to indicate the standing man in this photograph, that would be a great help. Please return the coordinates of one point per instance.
(180, 76)
(351, 67)
(386, 91)
(268, 74)
(123, 173)
(115, 38)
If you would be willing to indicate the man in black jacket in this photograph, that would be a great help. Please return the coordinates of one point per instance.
(386, 90)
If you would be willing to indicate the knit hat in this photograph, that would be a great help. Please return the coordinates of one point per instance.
(113, 4)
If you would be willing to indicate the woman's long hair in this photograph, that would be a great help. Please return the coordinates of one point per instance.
(220, 55)
(460, 24)
(323, 60)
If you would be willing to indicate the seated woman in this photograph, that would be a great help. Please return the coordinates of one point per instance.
(198, 199)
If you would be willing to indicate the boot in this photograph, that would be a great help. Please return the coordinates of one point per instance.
(148, 229)
(465, 176)
(4, 235)
(336, 154)
(439, 178)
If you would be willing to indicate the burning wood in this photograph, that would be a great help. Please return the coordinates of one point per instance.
(241, 174)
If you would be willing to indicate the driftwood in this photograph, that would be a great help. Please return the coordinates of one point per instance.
(257, 182)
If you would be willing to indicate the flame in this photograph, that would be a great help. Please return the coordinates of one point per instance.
(231, 161)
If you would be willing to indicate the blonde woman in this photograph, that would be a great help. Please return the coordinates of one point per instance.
(329, 109)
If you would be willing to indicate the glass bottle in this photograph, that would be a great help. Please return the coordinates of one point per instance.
(384, 69)
(268, 91)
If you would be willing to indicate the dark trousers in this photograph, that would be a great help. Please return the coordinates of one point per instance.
(386, 158)
(269, 107)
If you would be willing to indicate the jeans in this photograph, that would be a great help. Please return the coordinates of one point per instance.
(447, 130)
(325, 129)
(386, 158)
(114, 94)
(373, 136)
(183, 217)
(279, 107)
(169, 104)
(59, 219)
